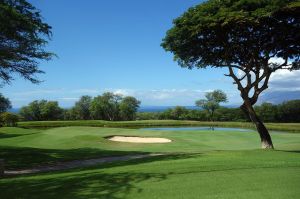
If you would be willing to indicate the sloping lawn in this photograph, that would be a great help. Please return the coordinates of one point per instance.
(200, 164)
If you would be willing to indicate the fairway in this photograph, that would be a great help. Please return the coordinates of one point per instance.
(198, 164)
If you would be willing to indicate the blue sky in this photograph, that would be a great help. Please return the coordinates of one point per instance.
(114, 45)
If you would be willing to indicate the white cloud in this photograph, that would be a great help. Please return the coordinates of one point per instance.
(85, 91)
(72, 99)
(124, 92)
(285, 80)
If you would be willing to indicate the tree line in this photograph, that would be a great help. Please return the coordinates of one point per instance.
(288, 111)
(112, 107)
(108, 106)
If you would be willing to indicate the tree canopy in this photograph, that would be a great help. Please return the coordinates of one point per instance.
(23, 36)
(245, 36)
(82, 107)
(212, 102)
(41, 110)
(237, 33)
(5, 104)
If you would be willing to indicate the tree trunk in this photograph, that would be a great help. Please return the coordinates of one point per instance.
(266, 140)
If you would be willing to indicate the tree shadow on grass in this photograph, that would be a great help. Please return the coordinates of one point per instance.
(4, 135)
(90, 185)
(290, 151)
(93, 182)
(26, 157)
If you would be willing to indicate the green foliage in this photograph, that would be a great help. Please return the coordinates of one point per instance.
(23, 35)
(82, 108)
(147, 115)
(267, 112)
(128, 108)
(285, 112)
(112, 107)
(289, 111)
(41, 110)
(70, 114)
(106, 106)
(221, 33)
(212, 102)
(4, 103)
(177, 113)
(8, 119)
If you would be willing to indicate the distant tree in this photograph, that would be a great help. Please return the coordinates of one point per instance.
(5, 104)
(212, 102)
(8, 119)
(230, 114)
(82, 108)
(267, 112)
(128, 108)
(289, 111)
(244, 37)
(41, 110)
(32, 112)
(70, 114)
(198, 115)
(23, 35)
(179, 113)
(147, 116)
(51, 111)
(106, 106)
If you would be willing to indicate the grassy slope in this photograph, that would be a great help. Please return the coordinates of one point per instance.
(222, 165)
(293, 127)
(68, 143)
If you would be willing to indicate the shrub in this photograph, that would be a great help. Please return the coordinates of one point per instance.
(8, 119)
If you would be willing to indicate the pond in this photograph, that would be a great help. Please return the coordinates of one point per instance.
(202, 128)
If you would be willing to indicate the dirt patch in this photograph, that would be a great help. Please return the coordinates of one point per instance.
(135, 139)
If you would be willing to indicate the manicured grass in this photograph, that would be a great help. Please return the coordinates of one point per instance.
(292, 127)
(23, 148)
(201, 164)
(221, 174)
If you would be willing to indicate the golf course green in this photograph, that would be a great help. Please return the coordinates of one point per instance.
(196, 164)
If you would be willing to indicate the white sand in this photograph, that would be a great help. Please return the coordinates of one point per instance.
(139, 139)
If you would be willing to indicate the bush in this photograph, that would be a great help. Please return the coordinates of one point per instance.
(8, 119)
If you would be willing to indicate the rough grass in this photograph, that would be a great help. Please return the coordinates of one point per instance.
(201, 164)
(292, 127)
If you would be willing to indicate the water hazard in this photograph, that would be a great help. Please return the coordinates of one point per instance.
(202, 128)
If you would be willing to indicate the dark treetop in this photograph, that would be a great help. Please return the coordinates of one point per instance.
(23, 35)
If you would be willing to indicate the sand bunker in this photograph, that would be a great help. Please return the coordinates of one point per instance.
(138, 139)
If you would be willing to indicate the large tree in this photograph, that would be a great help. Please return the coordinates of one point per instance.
(128, 108)
(23, 36)
(243, 36)
(41, 110)
(212, 102)
(106, 106)
(82, 108)
(5, 104)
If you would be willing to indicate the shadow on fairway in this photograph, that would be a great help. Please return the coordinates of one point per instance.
(290, 151)
(25, 157)
(89, 182)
